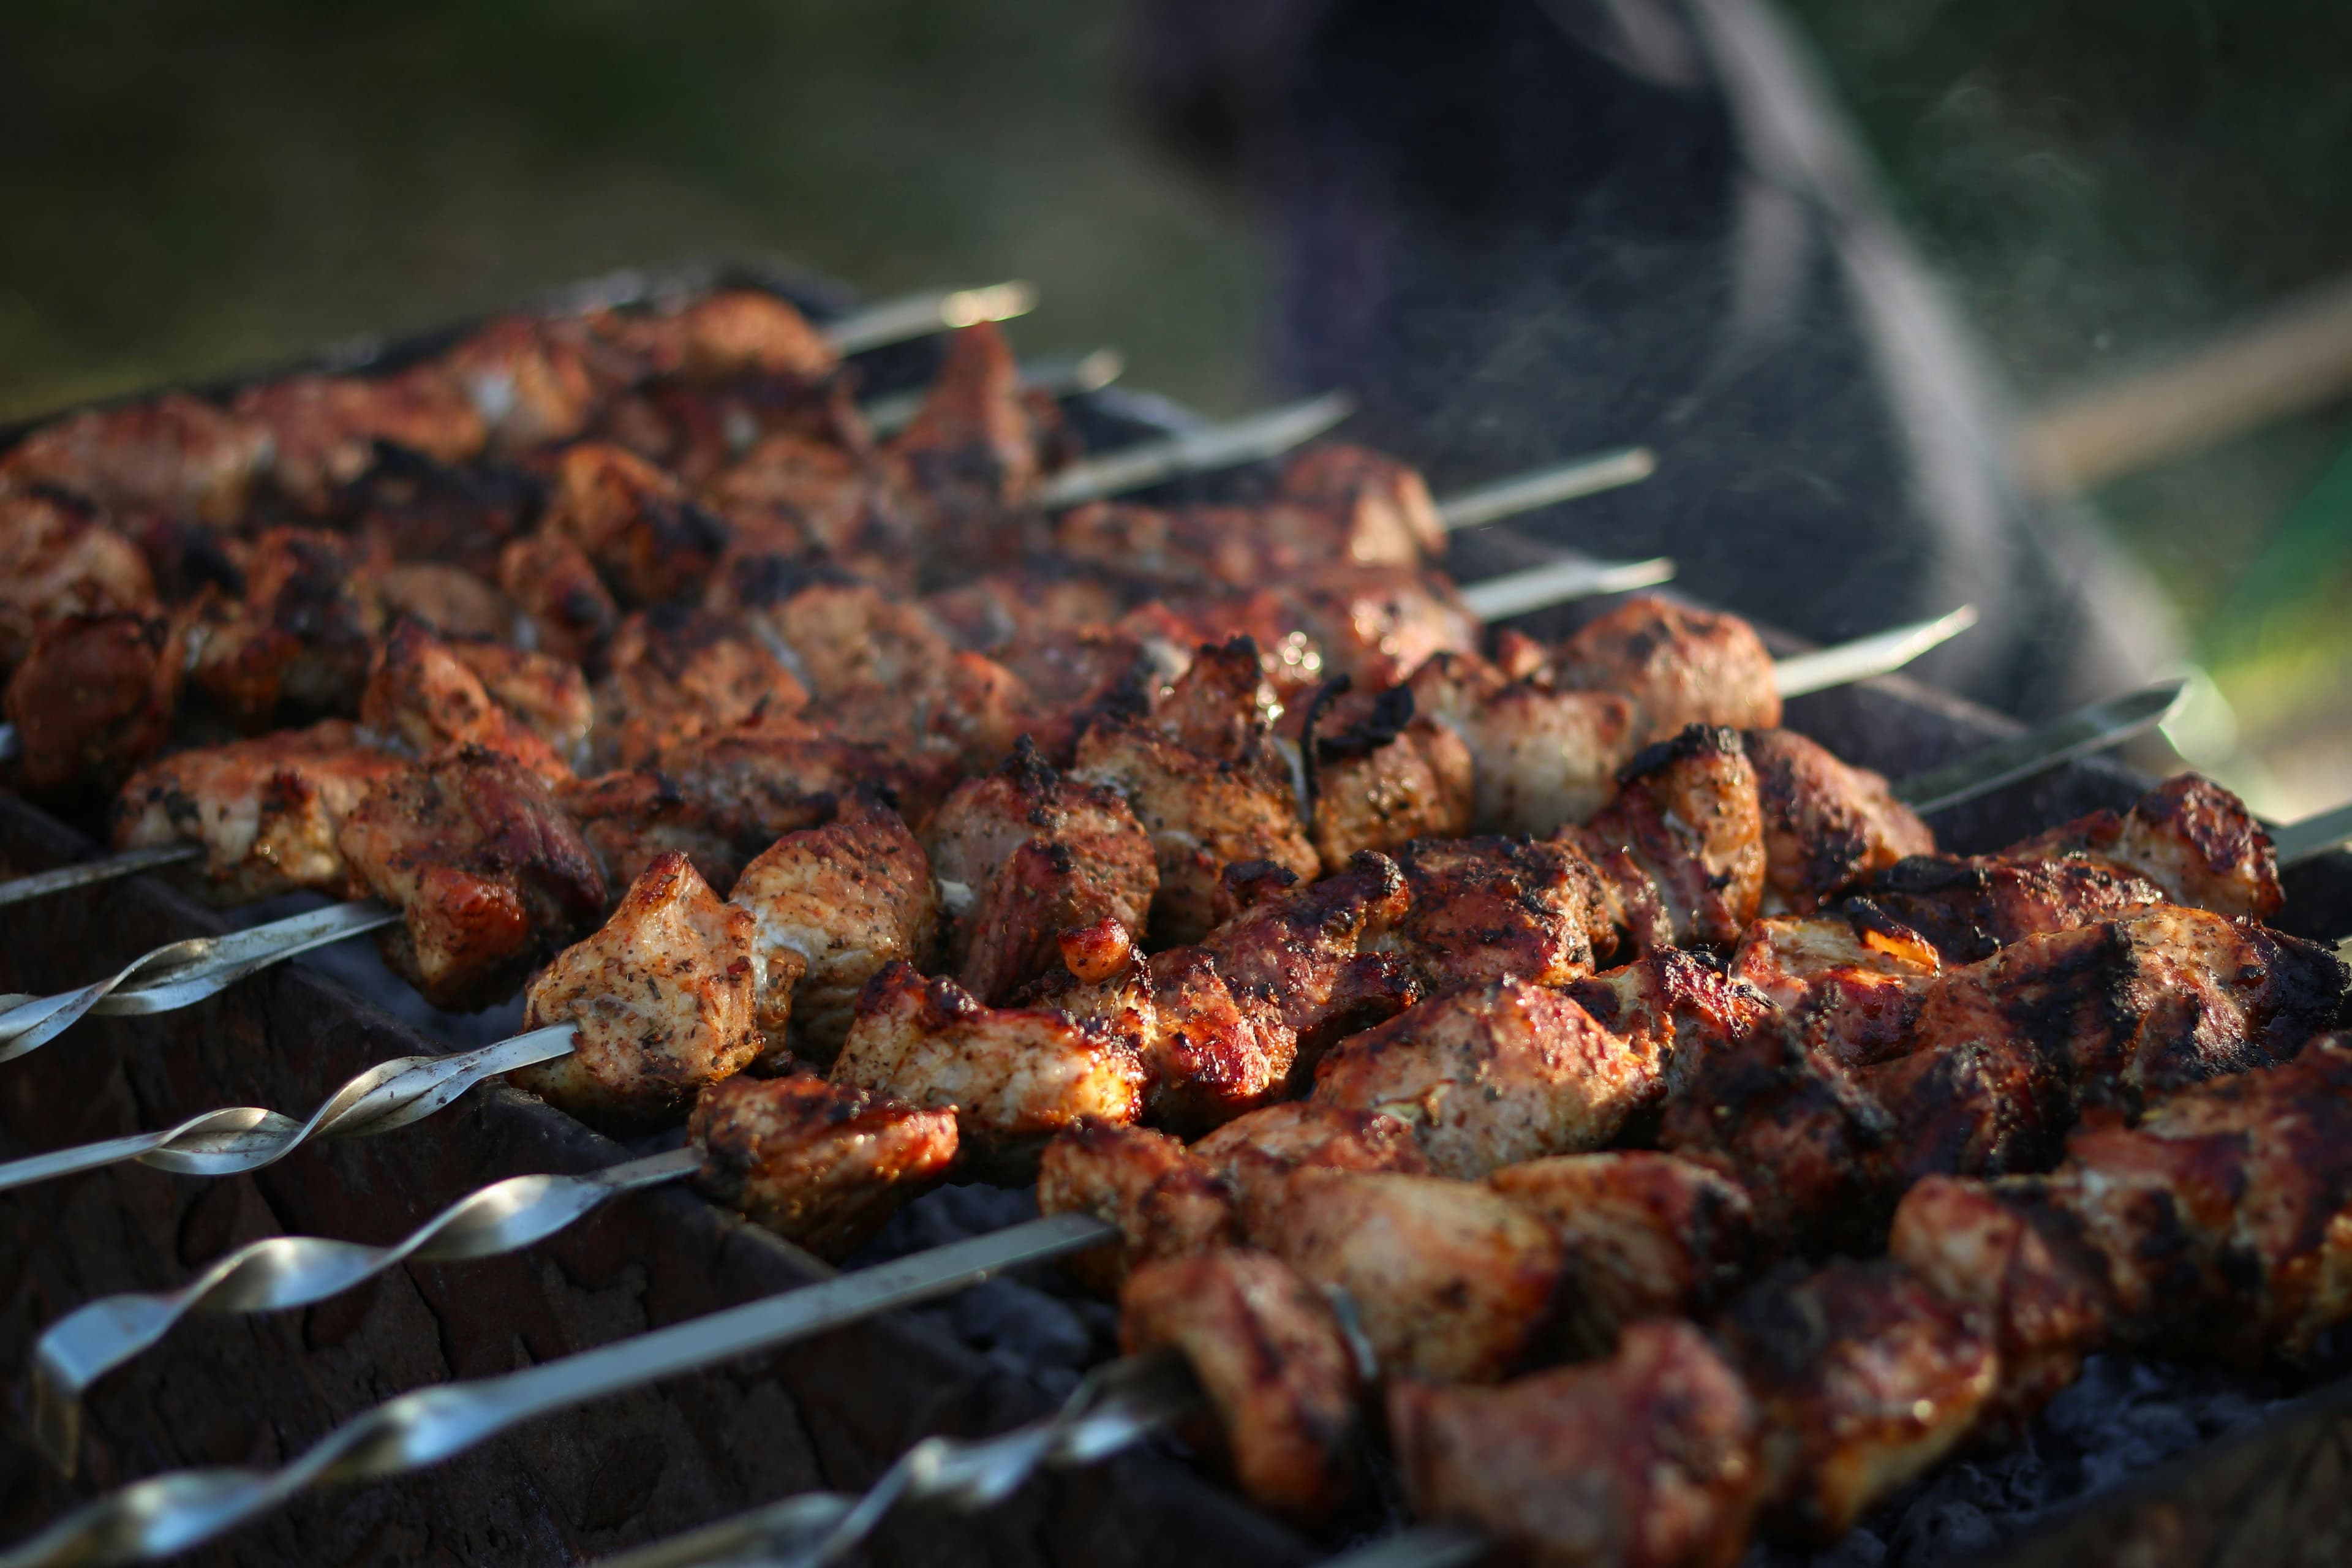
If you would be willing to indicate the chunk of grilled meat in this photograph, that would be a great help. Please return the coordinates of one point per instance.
(552, 581)
(1448, 1279)
(1647, 1460)
(176, 455)
(822, 1164)
(1678, 664)
(2219, 1225)
(94, 698)
(1165, 1203)
(1275, 1363)
(1253, 1156)
(849, 640)
(489, 875)
(970, 462)
(547, 694)
(662, 998)
(1313, 949)
(420, 691)
(1497, 909)
(1381, 789)
(830, 905)
(446, 600)
(1015, 1076)
(1493, 1074)
(1645, 1235)
(1382, 508)
(729, 333)
(1376, 624)
(1851, 981)
(324, 429)
(2189, 837)
(1540, 758)
(301, 632)
(1864, 1377)
(1680, 848)
(419, 510)
(1040, 853)
(1211, 1050)
(267, 810)
(1674, 1006)
(531, 380)
(673, 675)
(1827, 824)
(57, 558)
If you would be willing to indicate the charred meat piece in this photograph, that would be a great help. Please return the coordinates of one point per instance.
(674, 675)
(830, 905)
(1647, 1460)
(1645, 1235)
(1271, 1359)
(1376, 624)
(1497, 909)
(1490, 1074)
(2189, 837)
(662, 999)
(93, 699)
(1851, 981)
(1681, 847)
(1674, 1006)
(651, 544)
(1209, 1050)
(1252, 1156)
(1165, 1203)
(1382, 789)
(847, 638)
(822, 1164)
(1449, 1280)
(1015, 1076)
(324, 429)
(1312, 949)
(301, 634)
(57, 559)
(420, 691)
(174, 455)
(1540, 758)
(547, 694)
(491, 876)
(729, 333)
(447, 600)
(267, 810)
(1827, 825)
(1037, 598)
(970, 461)
(532, 381)
(1038, 854)
(421, 511)
(1678, 664)
(552, 581)
(1381, 508)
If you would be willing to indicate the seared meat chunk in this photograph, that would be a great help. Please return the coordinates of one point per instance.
(1165, 1203)
(1382, 789)
(301, 634)
(1038, 854)
(1645, 1235)
(673, 675)
(552, 581)
(1827, 825)
(267, 810)
(1210, 1051)
(1681, 846)
(323, 430)
(93, 699)
(820, 1163)
(1676, 1006)
(1252, 1156)
(849, 640)
(1679, 665)
(1497, 909)
(421, 692)
(57, 559)
(174, 455)
(547, 694)
(1015, 1076)
(970, 461)
(1490, 1074)
(531, 380)
(1851, 982)
(1647, 1460)
(1312, 949)
(491, 878)
(1271, 1356)
(1381, 508)
(1449, 1280)
(1540, 758)
(830, 905)
(662, 998)
(1376, 624)
(447, 600)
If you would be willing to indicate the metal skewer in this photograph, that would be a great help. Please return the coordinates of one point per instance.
(1805, 673)
(2312, 836)
(184, 1509)
(1547, 487)
(127, 863)
(921, 315)
(1227, 445)
(2086, 730)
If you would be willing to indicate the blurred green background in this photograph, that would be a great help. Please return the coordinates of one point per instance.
(188, 190)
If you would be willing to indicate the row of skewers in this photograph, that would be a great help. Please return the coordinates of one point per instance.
(1463, 902)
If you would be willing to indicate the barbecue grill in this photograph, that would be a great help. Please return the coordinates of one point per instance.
(835, 1412)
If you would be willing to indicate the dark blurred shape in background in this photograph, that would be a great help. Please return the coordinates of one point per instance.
(2102, 185)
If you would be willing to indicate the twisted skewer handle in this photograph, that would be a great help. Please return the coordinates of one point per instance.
(285, 1271)
(184, 1509)
(128, 863)
(247, 1137)
(1116, 1405)
(181, 974)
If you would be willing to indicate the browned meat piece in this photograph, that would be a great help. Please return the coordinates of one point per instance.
(1202, 813)
(1645, 1461)
(1240, 546)
(830, 906)
(1864, 1377)
(1209, 1050)
(662, 1000)
(57, 559)
(1497, 909)
(420, 692)
(265, 810)
(1312, 949)
(1051, 594)
(2220, 1226)
(1449, 1280)
(1164, 1202)
(1382, 789)
(1490, 1074)
(1851, 982)
(650, 544)
(1827, 825)
(173, 455)
(323, 430)
(2189, 837)
(675, 675)
(93, 699)
(552, 581)
(1376, 624)
(1382, 507)
(732, 333)
(1647, 1235)
(489, 875)
(1673, 1004)
(1971, 909)
(547, 694)
(421, 511)
(1292, 662)
(791, 497)
(847, 639)
(447, 600)
(819, 1163)
(1015, 1076)
(1540, 758)
(302, 633)
(1681, 846)
(970, 461)
(1680, 666)
(1252, 1156)
(1271, 1356)
(1036, 854)
(530, 381)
